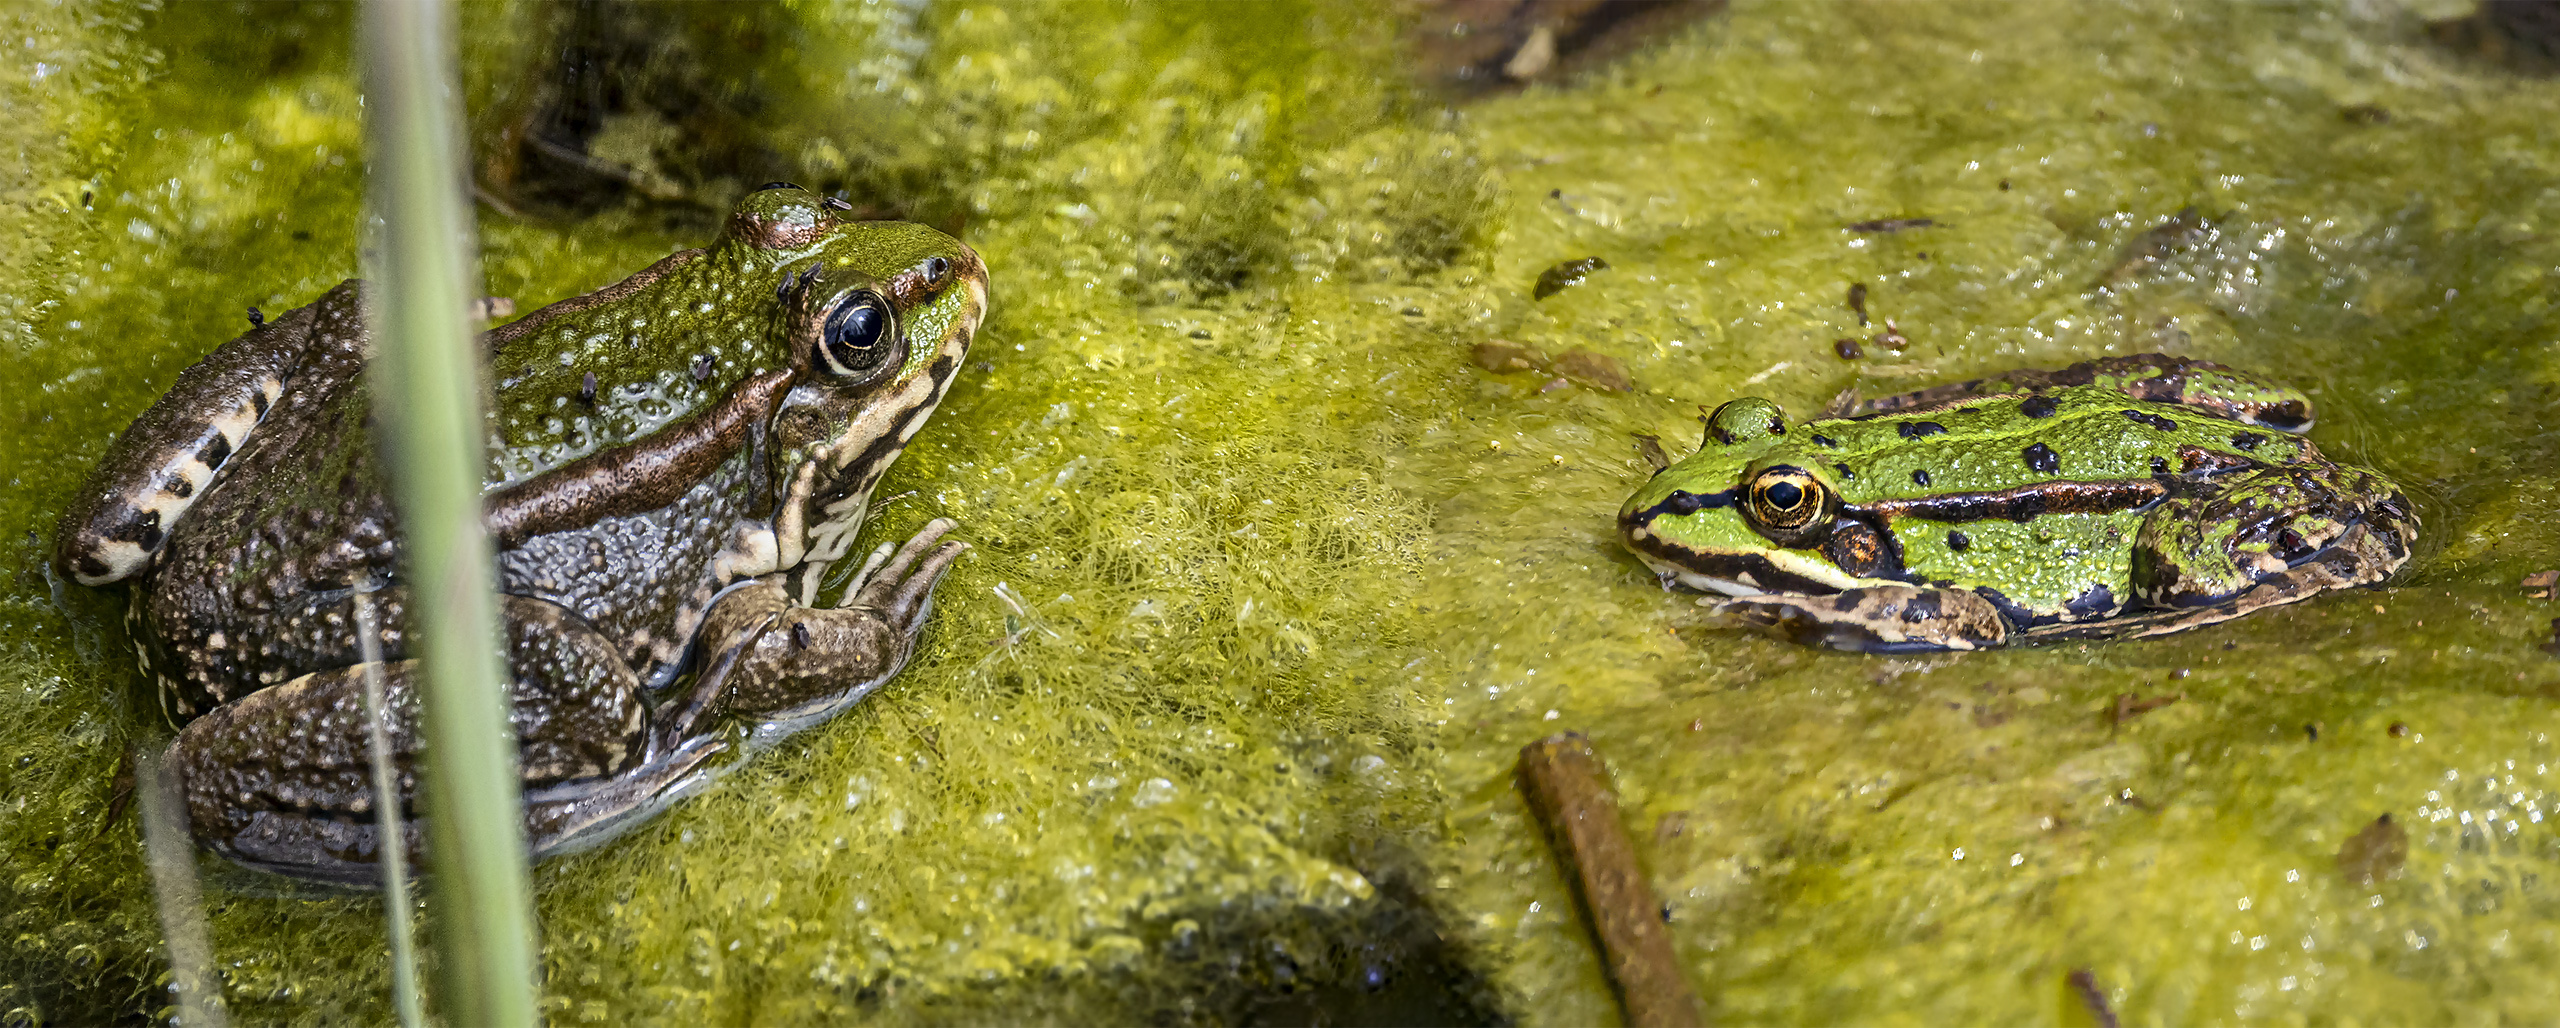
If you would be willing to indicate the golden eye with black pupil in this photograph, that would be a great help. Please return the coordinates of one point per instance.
(856, 335)
(1789, 505)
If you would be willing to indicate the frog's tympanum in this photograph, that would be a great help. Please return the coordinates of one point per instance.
(674, 462)
(2131, 496)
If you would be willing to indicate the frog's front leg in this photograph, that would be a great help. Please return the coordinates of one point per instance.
(1877, 619)
(788, 667)
(281, 779)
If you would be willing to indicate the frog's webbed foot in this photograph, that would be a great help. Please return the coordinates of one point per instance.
(903, 590)
(789, 666)
(1876, 619)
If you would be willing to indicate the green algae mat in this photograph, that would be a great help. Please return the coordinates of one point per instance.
(1272, 580)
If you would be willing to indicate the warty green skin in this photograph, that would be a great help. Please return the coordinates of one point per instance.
(2130, 496)
(674, 463)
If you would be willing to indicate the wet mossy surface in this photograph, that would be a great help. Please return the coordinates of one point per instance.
(1271, 581)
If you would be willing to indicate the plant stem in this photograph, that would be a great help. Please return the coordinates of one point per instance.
(429, 395)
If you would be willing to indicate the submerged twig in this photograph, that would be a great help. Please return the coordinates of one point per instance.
(1562, 781)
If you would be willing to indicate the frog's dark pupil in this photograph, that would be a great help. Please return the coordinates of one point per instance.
(1785, 495)
(853, 334)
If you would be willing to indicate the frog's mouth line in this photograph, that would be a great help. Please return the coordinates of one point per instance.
(1736, 574)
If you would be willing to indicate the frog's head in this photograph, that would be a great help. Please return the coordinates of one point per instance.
(876, 319)
(1748, 513)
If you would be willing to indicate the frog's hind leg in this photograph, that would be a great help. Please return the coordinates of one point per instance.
(281, 779)
(1877, 619)
(164, 462)
(2266, 536)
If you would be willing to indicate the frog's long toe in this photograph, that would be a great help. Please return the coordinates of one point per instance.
(903, 590)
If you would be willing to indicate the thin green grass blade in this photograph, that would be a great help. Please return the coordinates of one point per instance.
(430, 400)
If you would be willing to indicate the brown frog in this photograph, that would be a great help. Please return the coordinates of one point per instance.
(675, 462)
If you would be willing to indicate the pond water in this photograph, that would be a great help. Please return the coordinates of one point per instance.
(1272, 581)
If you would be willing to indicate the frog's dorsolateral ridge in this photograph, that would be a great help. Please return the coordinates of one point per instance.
(675, 462)
(2130, 496)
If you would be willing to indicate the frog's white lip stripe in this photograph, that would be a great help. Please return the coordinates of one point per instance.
(1746, 582)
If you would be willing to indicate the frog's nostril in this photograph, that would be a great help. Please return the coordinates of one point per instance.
(937, 272)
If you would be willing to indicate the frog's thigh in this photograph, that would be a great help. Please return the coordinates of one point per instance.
(1878, 619)
(2278, 533)
(279, 779)
(282, 778)
(2361, 555)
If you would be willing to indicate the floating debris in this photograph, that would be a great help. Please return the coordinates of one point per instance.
(2374, 854)
(2538, 585)
(2084, 986)
(1892, 224)
(1891, 338)
(1596, 370)
(2128, 706)
(1498, 355)
(1649, 447)
(1847, 348)
(1477, 47)
(1569, 273)
(1569, 794)
(1858, 302)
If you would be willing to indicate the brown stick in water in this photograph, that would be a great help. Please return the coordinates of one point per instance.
(1569, 794)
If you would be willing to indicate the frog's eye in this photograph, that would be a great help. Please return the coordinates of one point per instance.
(1743, 420)
(1789, 505)
(856, 335)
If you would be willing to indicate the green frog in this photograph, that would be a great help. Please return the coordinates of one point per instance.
(2124, 497)
(674, 463)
